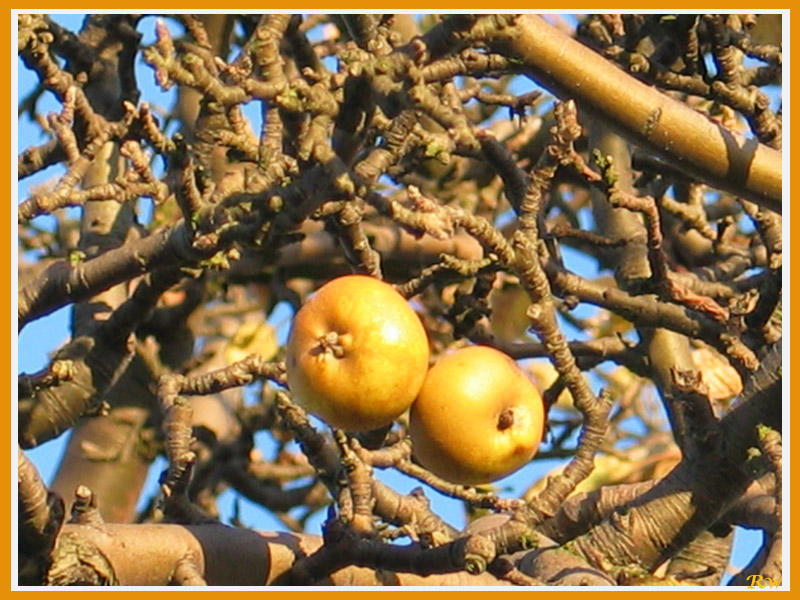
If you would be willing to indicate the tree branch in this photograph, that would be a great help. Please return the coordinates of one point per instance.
(684, 137)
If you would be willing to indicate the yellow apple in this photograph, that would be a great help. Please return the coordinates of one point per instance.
(357, 354)
(478, 417)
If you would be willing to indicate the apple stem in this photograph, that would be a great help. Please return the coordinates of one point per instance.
(506, 419)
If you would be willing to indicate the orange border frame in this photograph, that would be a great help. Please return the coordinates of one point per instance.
(9, 270)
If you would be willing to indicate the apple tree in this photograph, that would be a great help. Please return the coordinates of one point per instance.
(597, 197)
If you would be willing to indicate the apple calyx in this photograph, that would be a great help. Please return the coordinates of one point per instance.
(332, 343)
(505, 420)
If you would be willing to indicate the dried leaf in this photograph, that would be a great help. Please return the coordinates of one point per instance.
(722, 379)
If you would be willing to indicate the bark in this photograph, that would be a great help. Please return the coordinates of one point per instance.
(684, 137)
(385, 166)
(695, 494)
(143, 555)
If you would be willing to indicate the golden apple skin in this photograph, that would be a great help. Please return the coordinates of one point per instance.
(477, 418)
(357, 354)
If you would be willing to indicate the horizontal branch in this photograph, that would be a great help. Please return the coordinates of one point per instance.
(147, 554)
(64, 282)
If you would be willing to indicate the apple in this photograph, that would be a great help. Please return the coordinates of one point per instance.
(357, 354)
(477, 418)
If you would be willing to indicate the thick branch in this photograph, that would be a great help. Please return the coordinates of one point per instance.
(63, 283)
(696, 493)
(143, 555)
(691, 141)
